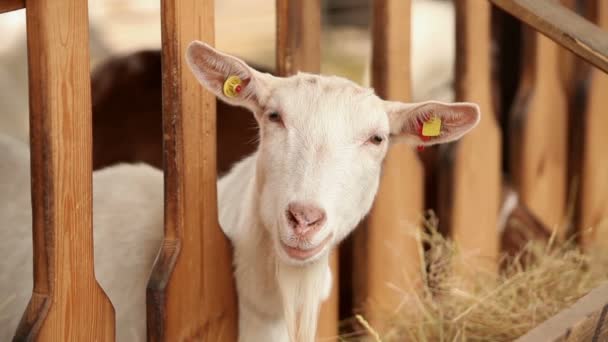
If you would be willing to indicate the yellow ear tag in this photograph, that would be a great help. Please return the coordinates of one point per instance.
(232, 86)
(432, 128)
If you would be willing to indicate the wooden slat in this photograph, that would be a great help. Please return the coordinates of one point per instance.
(298, 36)
(299, 49)
(191, 293)
(563, 26)
(538, 133)
(470, 170)
(594, 180)
(67, 303)
(11, 5)
(569, 61)
(586, 320)
(575, 74)
(386, 253)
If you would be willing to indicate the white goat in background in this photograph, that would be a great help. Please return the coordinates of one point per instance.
(128, 230)
(312, 179)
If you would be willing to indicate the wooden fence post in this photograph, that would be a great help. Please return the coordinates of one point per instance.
(298, 36)
(538, 139)
(386, 249)
(299, 49)
(594, 175)
(469, 171)
(191, 293)
(67, 303)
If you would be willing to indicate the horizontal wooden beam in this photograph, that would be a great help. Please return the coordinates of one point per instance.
(586, 320)
(11, 5)
(563, 26)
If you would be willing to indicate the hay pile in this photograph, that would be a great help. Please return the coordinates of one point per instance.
(533, 286)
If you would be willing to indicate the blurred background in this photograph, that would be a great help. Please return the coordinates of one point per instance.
(245, 28)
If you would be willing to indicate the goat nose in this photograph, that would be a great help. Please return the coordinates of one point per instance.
(305, 219)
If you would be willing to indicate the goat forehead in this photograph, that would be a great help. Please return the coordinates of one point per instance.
(329, 104)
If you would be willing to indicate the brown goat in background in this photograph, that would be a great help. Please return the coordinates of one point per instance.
(127, 115)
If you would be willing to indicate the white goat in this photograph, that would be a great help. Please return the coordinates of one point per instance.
(312, 179)
(128, 221)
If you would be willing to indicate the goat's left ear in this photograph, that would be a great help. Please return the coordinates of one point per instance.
(213, 69)
(407, 119)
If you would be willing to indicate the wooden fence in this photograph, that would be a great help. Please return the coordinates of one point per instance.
(191, 295)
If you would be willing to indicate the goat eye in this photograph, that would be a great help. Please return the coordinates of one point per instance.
(376, 139)
(274, 117)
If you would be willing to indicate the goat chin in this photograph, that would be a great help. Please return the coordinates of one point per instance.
(302, 289)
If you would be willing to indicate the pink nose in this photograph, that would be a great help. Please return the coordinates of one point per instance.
(305, 219)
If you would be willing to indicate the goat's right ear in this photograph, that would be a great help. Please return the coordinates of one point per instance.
(212, 68)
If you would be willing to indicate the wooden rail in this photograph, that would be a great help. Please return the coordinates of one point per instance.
(563, 26)
(67, 303)
(11, 5)
(299, 49)
(586, 320)
(191, 293)
(386, 252)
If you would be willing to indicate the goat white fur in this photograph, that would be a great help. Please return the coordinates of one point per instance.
(128, 221)
(312, 179)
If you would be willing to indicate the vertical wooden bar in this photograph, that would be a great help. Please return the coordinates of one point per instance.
(387, 250)
(67, 303)
(594, 180)
(576, 74)
(538, 139)
(298, 36)
(191, 293)
(568, 61)
(299, 49)
(470, 172)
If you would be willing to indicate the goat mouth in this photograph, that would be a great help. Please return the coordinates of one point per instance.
(304, 254)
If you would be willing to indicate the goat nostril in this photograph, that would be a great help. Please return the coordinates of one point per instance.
(292, 218)
(317, 219)
(303, 217)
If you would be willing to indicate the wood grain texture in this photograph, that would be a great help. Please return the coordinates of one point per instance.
(191, 293)
(11, 5)
(470, 170)
(586, 320)
(298, 36)
(594, 180)
(539, 135)
(575, 73)
(563, 26)
(67, 303)
(299, 49)
(386, 252)
(568, 61)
